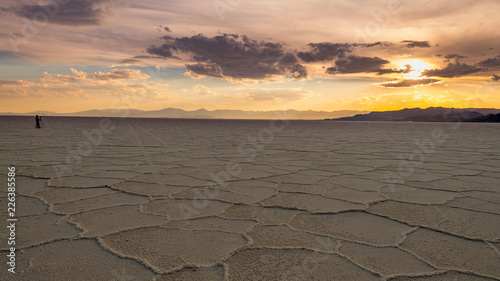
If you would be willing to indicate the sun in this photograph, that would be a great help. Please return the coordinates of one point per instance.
(417, 66)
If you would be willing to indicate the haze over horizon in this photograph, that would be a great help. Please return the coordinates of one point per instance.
(70, 56)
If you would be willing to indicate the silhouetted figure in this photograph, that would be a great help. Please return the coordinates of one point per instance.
(38, 119)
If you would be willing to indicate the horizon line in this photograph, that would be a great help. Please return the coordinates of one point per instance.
(242, 110)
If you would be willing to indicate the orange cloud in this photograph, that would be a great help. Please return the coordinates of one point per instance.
(81, 84)
(77, 76)
(120, 74)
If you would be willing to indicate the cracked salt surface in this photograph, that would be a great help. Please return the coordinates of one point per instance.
(183, 202)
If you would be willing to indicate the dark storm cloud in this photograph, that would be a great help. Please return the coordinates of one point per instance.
(325, 51)
(232, 56)
(407, 69)
(371, 45)
(416, 44)
(490, 63)
(355, 64)
(149, 57)
(64, 12)
(288, 59)
(164, 51)
(236, 57)
(448, 57)
(161, 28)
(376, 44)
(456, 69)
(129, 62)
(454, 56)
(136, 60)
(328, 51)
(495, 77)
(211, 70)
(408, 83)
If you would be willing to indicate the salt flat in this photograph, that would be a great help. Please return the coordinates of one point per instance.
(166, 199)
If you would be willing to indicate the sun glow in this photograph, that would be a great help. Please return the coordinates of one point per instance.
(417, 66)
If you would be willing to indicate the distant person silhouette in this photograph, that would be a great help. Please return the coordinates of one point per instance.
(38, 119)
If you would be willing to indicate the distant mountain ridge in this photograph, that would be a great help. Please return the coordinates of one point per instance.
(202, 113)
(431, 114)
(487, 118)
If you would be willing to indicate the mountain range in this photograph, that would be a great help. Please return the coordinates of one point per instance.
(431, 114)
(201, 113)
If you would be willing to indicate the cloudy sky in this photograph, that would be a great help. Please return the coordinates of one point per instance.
(74, 55)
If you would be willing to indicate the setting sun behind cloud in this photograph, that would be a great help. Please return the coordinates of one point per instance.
(417, 67)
